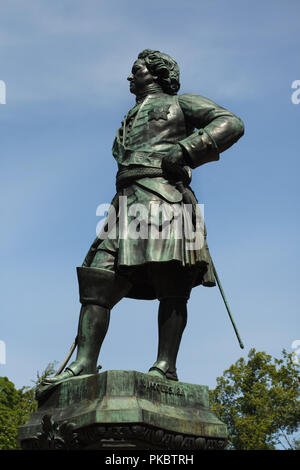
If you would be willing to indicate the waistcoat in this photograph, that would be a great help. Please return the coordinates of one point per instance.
(149, 130)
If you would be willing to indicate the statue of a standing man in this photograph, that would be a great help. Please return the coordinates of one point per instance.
(161, 139)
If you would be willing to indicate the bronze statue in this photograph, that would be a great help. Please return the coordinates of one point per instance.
(161, 139)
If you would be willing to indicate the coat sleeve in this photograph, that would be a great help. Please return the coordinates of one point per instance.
(218, 129)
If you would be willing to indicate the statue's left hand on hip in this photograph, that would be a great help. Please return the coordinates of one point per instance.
(174, 158)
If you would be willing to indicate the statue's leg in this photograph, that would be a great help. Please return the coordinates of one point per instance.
(92, 329)
(172, 319)
(172, 284)
(100, 290)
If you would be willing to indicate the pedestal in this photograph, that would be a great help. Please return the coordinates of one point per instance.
(124, 410)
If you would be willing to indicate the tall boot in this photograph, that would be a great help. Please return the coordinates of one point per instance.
(99, 290)
(172, 319)
(92, 329)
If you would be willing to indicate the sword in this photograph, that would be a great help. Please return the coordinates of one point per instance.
(187, 200)
(227, 306)
(67, 358)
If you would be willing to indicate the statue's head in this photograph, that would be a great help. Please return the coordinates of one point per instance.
(164, 68)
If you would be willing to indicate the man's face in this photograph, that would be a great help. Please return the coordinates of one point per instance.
(140, 77)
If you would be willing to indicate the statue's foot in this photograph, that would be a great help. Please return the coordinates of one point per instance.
(67, 374)
(161, 369)
(74, 369)
(50, 383)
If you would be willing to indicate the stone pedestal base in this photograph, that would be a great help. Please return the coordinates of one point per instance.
(118, 410)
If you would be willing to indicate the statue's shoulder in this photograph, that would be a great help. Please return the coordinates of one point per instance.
(190, 98)
(191, 103)
(163, 97)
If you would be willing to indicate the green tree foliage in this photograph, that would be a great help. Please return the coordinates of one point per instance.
(16, 407)
(49, 370)
(258, 400)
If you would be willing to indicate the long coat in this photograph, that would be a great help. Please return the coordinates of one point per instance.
(203, 129)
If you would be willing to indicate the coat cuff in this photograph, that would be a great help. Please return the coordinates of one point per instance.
(199, 148)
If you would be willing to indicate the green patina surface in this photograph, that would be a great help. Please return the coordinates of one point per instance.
(125, 397)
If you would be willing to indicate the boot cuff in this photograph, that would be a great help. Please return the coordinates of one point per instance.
(101, 286)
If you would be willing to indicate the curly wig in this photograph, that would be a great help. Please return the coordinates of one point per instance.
(164, 67)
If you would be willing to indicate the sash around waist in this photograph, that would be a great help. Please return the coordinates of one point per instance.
(152, 159)
(126, 176)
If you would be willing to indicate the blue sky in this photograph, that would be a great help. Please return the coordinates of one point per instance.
(65, 66)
